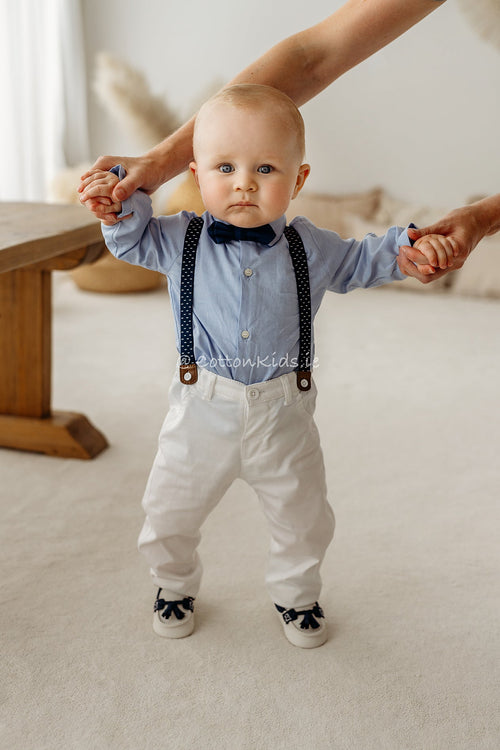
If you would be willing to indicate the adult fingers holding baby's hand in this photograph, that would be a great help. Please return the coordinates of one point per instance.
(98, 184)
(438, 250)
(103, 209)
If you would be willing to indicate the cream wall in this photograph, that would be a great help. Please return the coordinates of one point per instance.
(421, 117)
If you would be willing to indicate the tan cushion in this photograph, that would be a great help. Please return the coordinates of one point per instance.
(328, 211)
(395, 212)
(480, 276)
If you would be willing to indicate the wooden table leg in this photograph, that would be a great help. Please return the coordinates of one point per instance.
(26, 419)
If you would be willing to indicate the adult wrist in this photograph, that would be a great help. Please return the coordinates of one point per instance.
(488, 214)
(173, 155)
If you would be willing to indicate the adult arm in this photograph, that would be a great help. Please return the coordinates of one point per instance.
(465, 226)
(301, 65)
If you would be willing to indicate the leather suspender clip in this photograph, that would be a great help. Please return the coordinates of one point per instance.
(188, 373)
(304, 380)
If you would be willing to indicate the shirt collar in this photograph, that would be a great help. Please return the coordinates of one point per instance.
(279, 227)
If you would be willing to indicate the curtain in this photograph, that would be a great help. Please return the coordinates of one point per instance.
(43, 125)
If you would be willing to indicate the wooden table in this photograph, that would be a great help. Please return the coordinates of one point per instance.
(35, 239)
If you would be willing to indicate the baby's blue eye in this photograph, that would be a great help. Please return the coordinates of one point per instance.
(226, 168)
(265, 169)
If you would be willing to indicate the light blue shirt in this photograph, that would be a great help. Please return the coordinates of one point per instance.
(245, 306)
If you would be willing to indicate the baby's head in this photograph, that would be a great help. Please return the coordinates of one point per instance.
(248, 150)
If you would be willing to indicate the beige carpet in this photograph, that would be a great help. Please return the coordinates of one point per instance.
(409, 414)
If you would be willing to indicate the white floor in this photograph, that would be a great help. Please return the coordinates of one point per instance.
(409, 414)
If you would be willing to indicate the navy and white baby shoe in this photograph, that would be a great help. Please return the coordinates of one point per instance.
(305, 627)
(173, 615)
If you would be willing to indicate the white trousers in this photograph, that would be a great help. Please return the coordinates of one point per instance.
(216, 431)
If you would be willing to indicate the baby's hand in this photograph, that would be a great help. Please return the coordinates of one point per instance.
(438, 250)
(97, 196)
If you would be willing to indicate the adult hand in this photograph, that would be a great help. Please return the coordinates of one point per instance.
(465, 227)
(408, 267)
(462, 226)
(141, 172)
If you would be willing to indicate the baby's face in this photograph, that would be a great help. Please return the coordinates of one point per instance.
(247, 165)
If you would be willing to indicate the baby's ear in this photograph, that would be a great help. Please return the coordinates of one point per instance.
(302, 176)
(194, 171)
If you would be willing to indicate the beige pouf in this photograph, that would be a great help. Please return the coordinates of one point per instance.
(110, 275)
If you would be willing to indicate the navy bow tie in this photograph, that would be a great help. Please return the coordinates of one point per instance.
(221, 232)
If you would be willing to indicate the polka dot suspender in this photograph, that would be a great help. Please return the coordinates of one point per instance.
(188, 369)
(299, 260)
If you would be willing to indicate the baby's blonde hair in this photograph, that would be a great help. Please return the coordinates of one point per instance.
(257, 96)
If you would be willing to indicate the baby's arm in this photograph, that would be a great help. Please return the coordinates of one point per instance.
(439, 251)
(99, 190)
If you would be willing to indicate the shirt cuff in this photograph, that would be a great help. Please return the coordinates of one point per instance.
(403, 239)
(127, 209)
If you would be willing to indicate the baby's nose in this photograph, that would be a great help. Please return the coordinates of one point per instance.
(245, 181)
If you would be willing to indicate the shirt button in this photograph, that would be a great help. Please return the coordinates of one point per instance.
(248, 272)
(245, 334)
